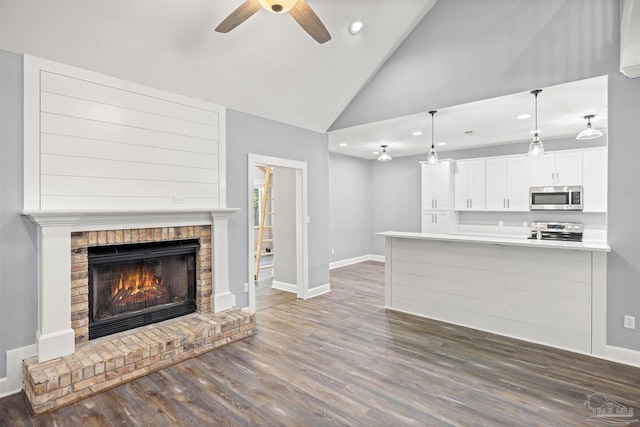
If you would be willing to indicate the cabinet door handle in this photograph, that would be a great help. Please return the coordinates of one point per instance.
(553, 178)
(558, 178)
(471, 203)
(436, 216)
(508, 203)
(433, 203)
(433, 218)
(436, 205)
(504, 203)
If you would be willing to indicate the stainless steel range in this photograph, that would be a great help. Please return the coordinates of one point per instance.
(564, 231)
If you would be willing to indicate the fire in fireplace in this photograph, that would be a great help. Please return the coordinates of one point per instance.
(138, 284)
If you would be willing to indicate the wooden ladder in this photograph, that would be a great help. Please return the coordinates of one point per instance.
(267, 197)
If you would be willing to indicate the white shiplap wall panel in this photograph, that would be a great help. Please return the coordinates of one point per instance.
(82, 128)
(74, 107)
(102, 203)
(110, 187)
(507, 281)
(61, 165)
(104, 143)
(78, 148)
(102, 94)
(542, 295)
(527, 331)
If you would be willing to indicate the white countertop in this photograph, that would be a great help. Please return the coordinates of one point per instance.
(592, 246)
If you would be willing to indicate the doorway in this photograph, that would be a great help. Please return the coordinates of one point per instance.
(287, 254)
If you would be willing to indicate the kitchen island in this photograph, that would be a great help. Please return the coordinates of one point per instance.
(549, 292)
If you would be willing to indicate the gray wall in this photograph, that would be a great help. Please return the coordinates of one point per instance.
(349, 206)
(284, 225)
(468, 50)
(250, 134)
(18, 259)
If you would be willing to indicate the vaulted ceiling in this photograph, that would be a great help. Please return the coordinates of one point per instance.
(268, 66)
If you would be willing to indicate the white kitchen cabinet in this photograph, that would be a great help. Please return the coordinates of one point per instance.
(469, 189)
(507, 184)
(436, 186)
(563, 168)
(438, 222)
(594, 165)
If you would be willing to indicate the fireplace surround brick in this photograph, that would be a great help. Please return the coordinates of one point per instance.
(81, 241)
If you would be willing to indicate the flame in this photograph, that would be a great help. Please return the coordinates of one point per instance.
(135, 281)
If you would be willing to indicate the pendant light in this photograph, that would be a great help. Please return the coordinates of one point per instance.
(432, 157)
(384, 157)
(536, 148)
(589, 132)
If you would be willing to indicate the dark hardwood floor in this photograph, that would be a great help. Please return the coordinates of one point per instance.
(342, 359)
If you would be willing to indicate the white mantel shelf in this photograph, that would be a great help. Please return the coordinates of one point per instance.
(499, 240)
(55, 337)
(86, 220)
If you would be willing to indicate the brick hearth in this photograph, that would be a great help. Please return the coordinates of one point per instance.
(109, 361)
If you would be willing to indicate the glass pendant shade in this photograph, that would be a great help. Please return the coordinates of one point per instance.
(432, 157)
(535, 147)
(589, 132)
(384, 157)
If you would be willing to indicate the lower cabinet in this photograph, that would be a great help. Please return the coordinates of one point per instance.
(437, 222)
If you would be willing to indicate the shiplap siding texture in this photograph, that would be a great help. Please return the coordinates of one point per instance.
(540, 295)
(108, 146)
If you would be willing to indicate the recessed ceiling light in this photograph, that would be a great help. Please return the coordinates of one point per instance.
(442, 144)
(343, 144)
(417, 133)
(376, 152)
(523, 116)
(355, 27)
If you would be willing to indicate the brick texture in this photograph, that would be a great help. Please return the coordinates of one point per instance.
(106, 362)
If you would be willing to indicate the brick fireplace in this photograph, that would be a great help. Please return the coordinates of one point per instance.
(69, 366)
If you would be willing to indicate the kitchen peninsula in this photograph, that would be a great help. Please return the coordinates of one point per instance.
(549, 292)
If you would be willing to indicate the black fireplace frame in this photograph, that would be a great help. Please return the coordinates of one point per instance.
(101, 255)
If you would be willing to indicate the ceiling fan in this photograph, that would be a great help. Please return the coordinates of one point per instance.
(299, 9)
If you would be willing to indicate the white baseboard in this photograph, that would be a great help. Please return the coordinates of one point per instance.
(319, 290)
(622, 355)
(350, 261)
(284, 286)
(12, 383)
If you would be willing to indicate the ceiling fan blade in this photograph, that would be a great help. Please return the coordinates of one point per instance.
(238, 16)
(308, 20)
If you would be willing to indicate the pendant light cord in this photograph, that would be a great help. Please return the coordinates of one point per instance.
(432, 114)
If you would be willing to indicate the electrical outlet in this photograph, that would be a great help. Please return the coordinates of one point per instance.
(629, 322)
(246, 287)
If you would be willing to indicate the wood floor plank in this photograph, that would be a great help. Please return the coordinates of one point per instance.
(342, 359)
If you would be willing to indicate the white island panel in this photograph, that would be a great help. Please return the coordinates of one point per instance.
(539, 293)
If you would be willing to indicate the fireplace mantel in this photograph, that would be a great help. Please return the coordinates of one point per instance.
(55, 336)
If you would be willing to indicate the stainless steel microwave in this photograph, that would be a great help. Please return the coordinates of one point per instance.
(556, 198)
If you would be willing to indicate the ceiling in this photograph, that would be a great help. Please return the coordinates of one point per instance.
(268, 66)
(488, 122)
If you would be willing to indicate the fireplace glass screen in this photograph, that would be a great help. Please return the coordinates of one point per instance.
(133, 285)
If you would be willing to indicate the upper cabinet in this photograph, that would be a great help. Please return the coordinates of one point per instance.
(436, 186)
(507, 184)
(469, 180)
(594, 166)
(561, 168)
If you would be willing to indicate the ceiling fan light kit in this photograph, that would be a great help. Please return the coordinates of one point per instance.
(536, 148)
(589, 132)
(298, 9)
